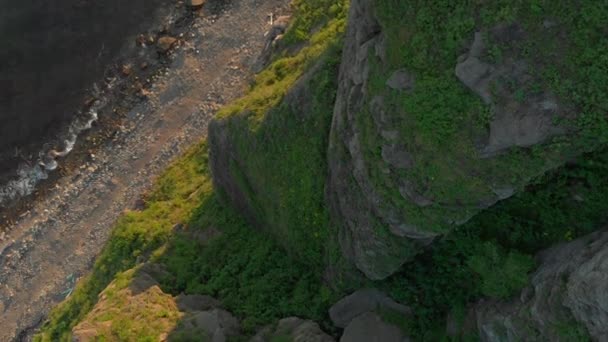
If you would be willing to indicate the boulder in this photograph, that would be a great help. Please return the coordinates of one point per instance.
(567, 298)
(195, 3)
(196, 302)
(370, 327)
(293, 329)
(360, 302)
(165, 43)
(216, 325)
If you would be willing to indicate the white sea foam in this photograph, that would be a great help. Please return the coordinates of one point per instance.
(29, 174)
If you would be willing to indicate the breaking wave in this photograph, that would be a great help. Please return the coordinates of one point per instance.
(30, 173)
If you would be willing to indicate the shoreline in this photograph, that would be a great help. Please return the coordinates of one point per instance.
(96, 121)
(66, 226)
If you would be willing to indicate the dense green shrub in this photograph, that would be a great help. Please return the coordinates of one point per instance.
(501, 274)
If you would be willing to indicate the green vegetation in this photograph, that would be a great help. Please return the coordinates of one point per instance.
(134, 237)
(253, 278)
(501, 275)
(443, 121)
(312, 14)
(569, 202)
(290, 138)
(126, 312)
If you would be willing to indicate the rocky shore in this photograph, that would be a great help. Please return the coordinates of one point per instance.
(192, 63)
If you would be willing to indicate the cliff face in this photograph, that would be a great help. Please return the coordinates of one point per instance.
(435, 121)
(566, 300)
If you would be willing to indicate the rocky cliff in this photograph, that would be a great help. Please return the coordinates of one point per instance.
(433, 146)
(438, 116)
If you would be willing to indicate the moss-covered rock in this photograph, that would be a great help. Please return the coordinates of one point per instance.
(268, 150)
(445, 108)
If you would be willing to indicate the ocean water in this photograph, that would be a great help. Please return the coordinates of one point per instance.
(51, 55)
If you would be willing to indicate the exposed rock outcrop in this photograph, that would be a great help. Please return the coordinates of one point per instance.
(397, 178)
(567, 299)
(353, 197)
(520, 118)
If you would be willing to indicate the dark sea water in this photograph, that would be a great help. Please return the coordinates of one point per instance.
(51, 53)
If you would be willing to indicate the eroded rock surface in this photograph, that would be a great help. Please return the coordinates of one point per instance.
(351, 193)
(520, 117)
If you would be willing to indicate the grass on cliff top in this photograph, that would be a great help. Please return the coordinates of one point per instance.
(271, 85)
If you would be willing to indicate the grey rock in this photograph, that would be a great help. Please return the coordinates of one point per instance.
(401, 80)
(360, 302)
(397, 156)
(216, 324)
(369, 327)
(568, 292)
(352, 196)
(196, 302)
(294, 329)
(409, 192)
(519, 119)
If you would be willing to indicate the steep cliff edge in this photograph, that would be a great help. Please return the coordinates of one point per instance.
(443, 110)
(268, 150)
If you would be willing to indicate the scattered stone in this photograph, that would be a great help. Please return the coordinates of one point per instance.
(165, 43)
(126, 69)
(89, 101)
